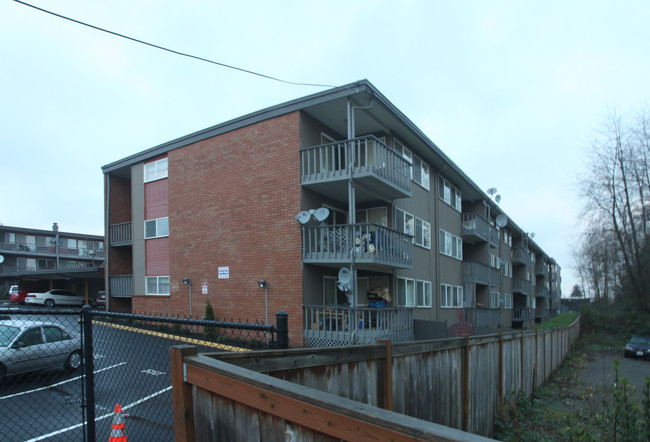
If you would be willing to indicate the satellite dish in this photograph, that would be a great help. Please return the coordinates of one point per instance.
(502, 220)
(321, 214)
(532, 234)
(303, 217)
(2, 259)
(497, 199)
(491, 191)
(345, 278)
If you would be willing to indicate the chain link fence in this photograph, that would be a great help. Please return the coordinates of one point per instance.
(63, 371)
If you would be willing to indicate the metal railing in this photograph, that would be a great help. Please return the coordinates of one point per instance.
(363, 242)
(50, 250)
(477, 272)
(521, 286)
(475, 227)
(120, 234)
(334, 325)
(520, 314)
(371, 156)
(521, 256)
(121, 286)
(482, 317)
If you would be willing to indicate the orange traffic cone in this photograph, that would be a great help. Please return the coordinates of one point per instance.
(118, 432)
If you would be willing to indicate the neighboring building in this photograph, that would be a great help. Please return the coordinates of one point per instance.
(40, 260)
(236, 203)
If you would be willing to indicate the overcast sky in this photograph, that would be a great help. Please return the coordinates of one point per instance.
(513, 92)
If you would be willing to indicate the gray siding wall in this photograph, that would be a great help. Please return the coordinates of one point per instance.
(137, 209)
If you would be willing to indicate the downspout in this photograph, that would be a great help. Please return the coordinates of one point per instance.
(107, 182)
(352, 206)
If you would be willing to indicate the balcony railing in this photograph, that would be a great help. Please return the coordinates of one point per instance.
(520, 256)
(369, 244)
(541, 268)
(49, 250)
(521, 314)
(542, 292)
(375, 164)
(120, 234)
(121, 286)
(475, 228)
(521, 286)
(333, 326)
(482, 317)
(479, 273)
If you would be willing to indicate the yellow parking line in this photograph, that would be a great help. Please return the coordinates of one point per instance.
(174, 337)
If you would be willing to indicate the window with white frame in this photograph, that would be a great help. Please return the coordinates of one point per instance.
(156, 228)
(157, 285)
(507, 300)
(423, 293)
(494, 299)
(507, 238)
(155, 170)
(531, 302)
(507, 269)
(404, 222)
(451, 245)
(420, 172)
(422, 233)
(406, 154)
(406, 292)
(451, 296)
(449, 194)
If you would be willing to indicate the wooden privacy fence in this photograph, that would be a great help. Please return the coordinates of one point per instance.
(428, 390)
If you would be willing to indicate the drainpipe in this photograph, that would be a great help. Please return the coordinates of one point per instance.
(352, 206)
(107, 183)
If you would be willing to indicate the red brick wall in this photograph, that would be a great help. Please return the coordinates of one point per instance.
(232, 202)
(156, 199)
(157, 256)
(120, 201)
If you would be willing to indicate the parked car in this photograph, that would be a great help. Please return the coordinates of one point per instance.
(13, 290)
(638, 347)
(19, 297)
(55, 297)
(33, 345)
(100, 299)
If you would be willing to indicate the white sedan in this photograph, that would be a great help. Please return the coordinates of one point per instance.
(55, 297)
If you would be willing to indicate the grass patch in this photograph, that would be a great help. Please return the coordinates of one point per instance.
(561, 320)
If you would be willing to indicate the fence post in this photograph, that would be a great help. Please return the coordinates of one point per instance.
(182, 393)
(88, 370)
(282, 326)
(465, 368)
(388, 374)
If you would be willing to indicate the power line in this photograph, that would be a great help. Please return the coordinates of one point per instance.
(171, 50)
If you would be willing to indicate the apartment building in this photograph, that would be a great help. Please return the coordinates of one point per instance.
(334, 208)
(40, 260)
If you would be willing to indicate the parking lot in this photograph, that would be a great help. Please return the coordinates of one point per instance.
(130, 368)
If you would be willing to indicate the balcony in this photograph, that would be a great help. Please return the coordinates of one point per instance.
(521, 314)
(40, 250)
(479, 273)
(482, 317)
(371, 246)
(120, 234)
(520, 256)
(542, 292)
(521, 286)
(328, 326)
(541, 269)
(476, 229)
(121, 286)
(381, 172)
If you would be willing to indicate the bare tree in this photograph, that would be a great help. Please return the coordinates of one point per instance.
(615, 188)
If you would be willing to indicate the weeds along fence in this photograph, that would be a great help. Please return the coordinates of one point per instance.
(124, 360)
(461, 383)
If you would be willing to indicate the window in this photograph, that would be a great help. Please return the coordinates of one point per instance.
(422, 233)
(155, 170)
(404, 222)
(406, 153)
(155, 228)
(421, 172)
(406, 292)
(449, 194)
(423, 293)
(451, 296)
(507, 298)
(451, 245)
(55, 334)
(507, 238)
(32, 337)
(494, 300)
(157, 285)
(507, 269)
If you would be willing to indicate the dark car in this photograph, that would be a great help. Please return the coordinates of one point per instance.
(638, 347)
(100, 300)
